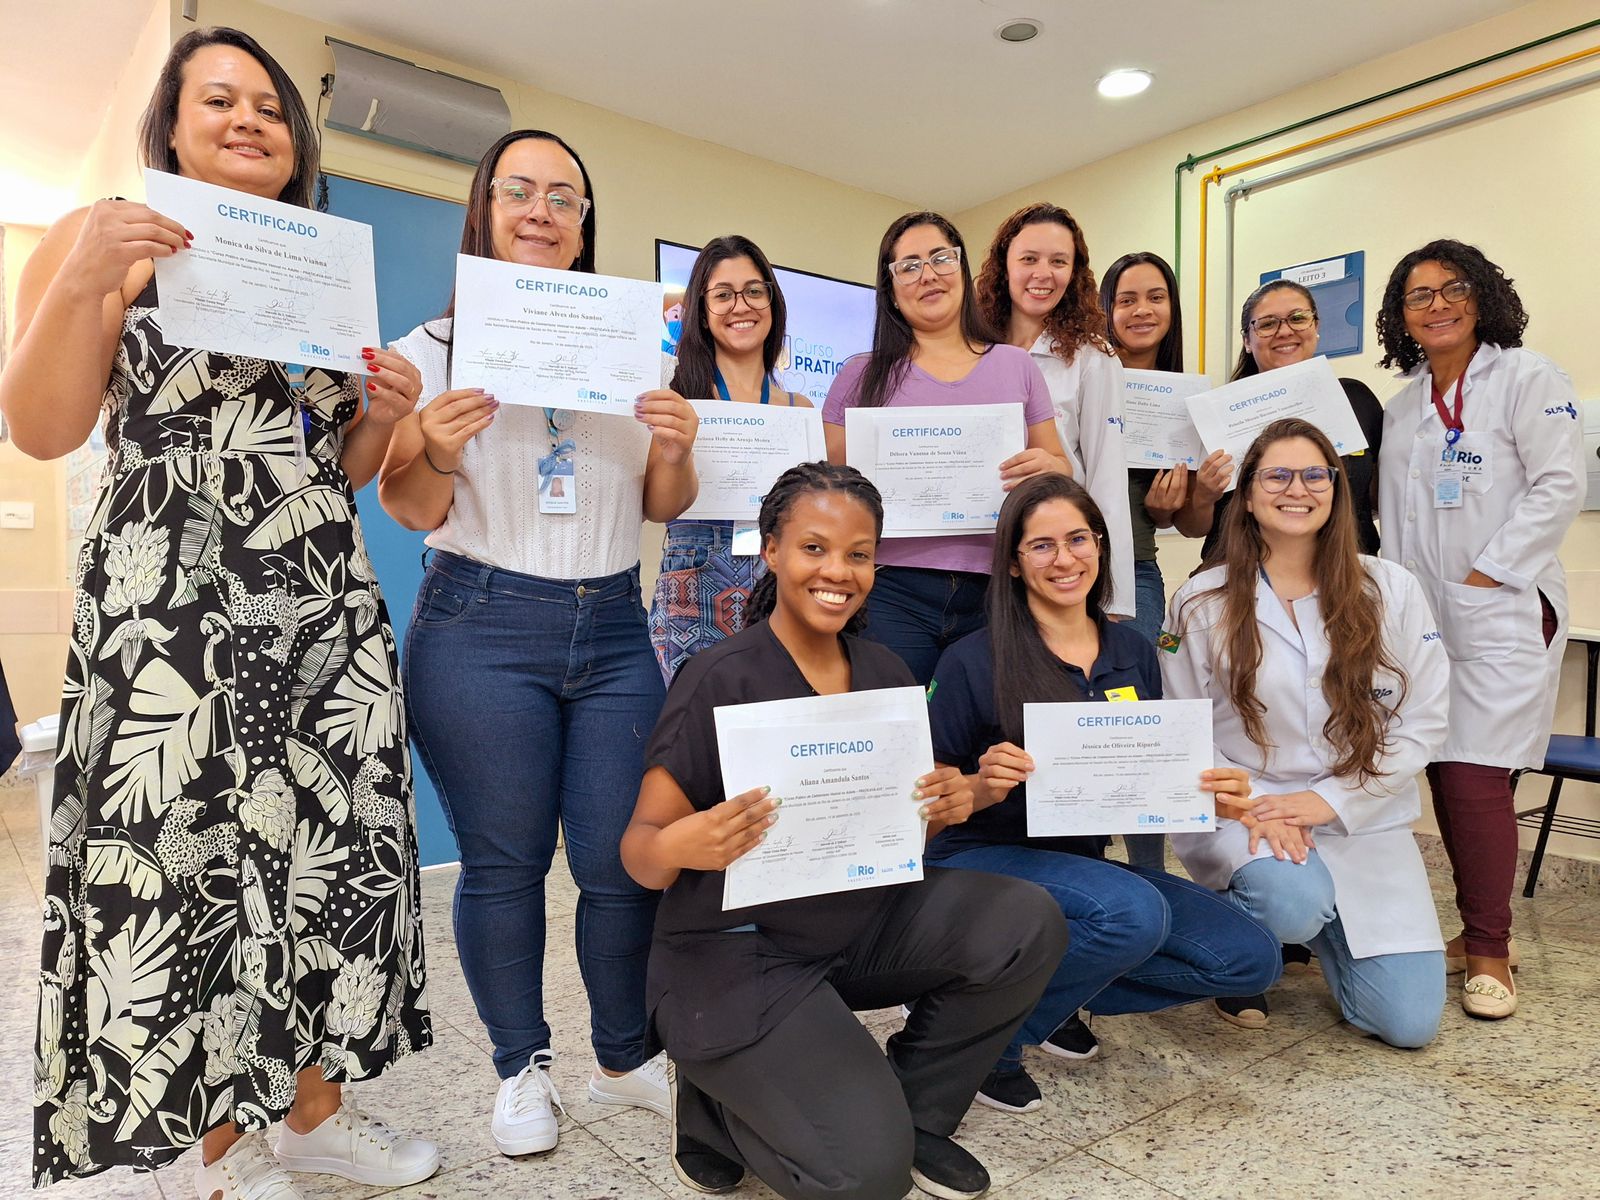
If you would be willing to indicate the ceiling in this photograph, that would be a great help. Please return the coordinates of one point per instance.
(916, 99)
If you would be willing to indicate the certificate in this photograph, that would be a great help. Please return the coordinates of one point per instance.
(1229, 417)
(1119, 768)
(741, 450)
(264, 279)
(1156, 429)
(938, 468)
(563, 339)
(844, 767)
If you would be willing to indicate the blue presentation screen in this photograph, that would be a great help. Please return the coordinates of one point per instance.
(829, 319)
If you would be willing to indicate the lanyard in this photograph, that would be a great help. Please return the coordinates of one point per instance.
(557, 421)
(295, 373)
(1452, 420)
(722, 386)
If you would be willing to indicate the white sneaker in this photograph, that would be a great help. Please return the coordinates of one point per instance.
(359, 1147)
(248, 1171)
(524, 1120)
(643, 1087)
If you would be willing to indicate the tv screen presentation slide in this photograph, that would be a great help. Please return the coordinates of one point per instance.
(829, 320)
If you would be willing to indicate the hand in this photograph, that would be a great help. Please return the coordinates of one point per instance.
(451, 420)
(393, 386)
(1302, 809)
(1002, 767)
(1211, 480)
(1230, 788)
(1166, 494)
(1032, 461)
(673, 423)
(945, 795)
(115, 235)
(710, 840)
(1476, 578)
(1286, 841)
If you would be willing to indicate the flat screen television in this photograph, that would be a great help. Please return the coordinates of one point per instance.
(829, 319)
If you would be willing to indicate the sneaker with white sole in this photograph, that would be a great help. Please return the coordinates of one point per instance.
(525, 1109)
(248, 1171)
(357, 1146)
(643, 1087)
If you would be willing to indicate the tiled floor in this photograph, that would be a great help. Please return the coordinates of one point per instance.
(1178, 1104)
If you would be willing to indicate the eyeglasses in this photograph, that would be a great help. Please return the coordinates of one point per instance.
(564, 205)
(1300, 318)
(1041, 552)
(943, 262)
(1278, 479)
(721, 300)
(1455, 291)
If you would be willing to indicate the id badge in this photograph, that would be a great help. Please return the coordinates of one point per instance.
(746, 539)
(1447, 490)
(560, 495)
(1469, 462)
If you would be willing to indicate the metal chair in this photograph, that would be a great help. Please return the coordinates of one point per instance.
(1568, 756)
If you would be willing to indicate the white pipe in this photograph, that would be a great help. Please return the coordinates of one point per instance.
(1245, 186)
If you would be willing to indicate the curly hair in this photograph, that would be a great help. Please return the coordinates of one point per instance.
(1501, 317)
(1077, 319)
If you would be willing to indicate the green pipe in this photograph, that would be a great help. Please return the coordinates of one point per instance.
(1194, 160)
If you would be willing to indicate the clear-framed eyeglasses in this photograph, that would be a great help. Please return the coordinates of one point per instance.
(519, 197)
(1278, 479)
(943, 262)
(1300, 318)
(1041, 552)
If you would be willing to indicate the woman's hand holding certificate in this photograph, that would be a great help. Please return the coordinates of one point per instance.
(715, 838)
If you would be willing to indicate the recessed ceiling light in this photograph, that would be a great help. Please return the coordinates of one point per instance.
(1022, 29)
(1125, 81)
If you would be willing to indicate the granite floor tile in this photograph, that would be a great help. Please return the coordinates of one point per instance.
(120, 1183)
(1080, 1177)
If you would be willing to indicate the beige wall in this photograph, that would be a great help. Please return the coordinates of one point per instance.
(1510, 183)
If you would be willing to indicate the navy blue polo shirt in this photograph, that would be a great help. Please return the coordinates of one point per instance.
(961, 713)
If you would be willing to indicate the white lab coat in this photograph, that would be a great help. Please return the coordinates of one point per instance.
(1380, 885)
(1520, 415)
(1087, 397)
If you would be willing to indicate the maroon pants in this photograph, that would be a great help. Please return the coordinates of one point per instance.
(1478, 822)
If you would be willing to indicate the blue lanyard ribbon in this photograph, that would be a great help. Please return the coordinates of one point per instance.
(559, 453)
(722, 386)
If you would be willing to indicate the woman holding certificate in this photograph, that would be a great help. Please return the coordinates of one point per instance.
(1329, 684)
(529, 637)
(1278, 326)
(233, 788)
(1142, 940)
(1482, 476)
(774, 1072)
(931, 347)
(1037, 288)
(732, 335)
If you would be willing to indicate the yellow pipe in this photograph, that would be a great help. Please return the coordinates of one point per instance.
(1216, 175)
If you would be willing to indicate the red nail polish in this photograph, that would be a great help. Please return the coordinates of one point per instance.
(373, 367)
(188, 235)
(371, 387)
(366, 352)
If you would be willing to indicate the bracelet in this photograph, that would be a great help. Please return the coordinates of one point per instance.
(433, 464)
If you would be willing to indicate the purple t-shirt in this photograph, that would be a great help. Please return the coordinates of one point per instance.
(1004, 375)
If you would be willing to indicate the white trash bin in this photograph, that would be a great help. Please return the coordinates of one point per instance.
(39, 742)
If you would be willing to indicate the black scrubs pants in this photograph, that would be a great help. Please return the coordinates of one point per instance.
(814, 1108)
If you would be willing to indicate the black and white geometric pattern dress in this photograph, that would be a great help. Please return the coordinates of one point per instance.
(232, 892)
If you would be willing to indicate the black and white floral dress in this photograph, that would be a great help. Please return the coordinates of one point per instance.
(232, 892)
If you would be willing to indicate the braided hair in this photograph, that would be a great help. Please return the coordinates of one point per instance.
(804, 479)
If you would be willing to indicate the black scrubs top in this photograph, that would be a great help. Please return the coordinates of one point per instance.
(713, 986)
(1357, 471)
(962, 715)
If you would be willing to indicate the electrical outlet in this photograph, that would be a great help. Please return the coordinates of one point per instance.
(16, 514)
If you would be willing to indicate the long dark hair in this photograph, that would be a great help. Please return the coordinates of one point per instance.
(892, 335)
(697, 351)
(1025, 669)
(1501, 317)
(477, 236)
(1169, 353)
(1077, 318)
(1247, 364)
(1352, 616)
(803, 479)
(161, 114)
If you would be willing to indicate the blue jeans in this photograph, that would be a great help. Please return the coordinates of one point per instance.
(530, 702)
(1140, 941)
(1396, 997)
(1149, 598)
(917, 613)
